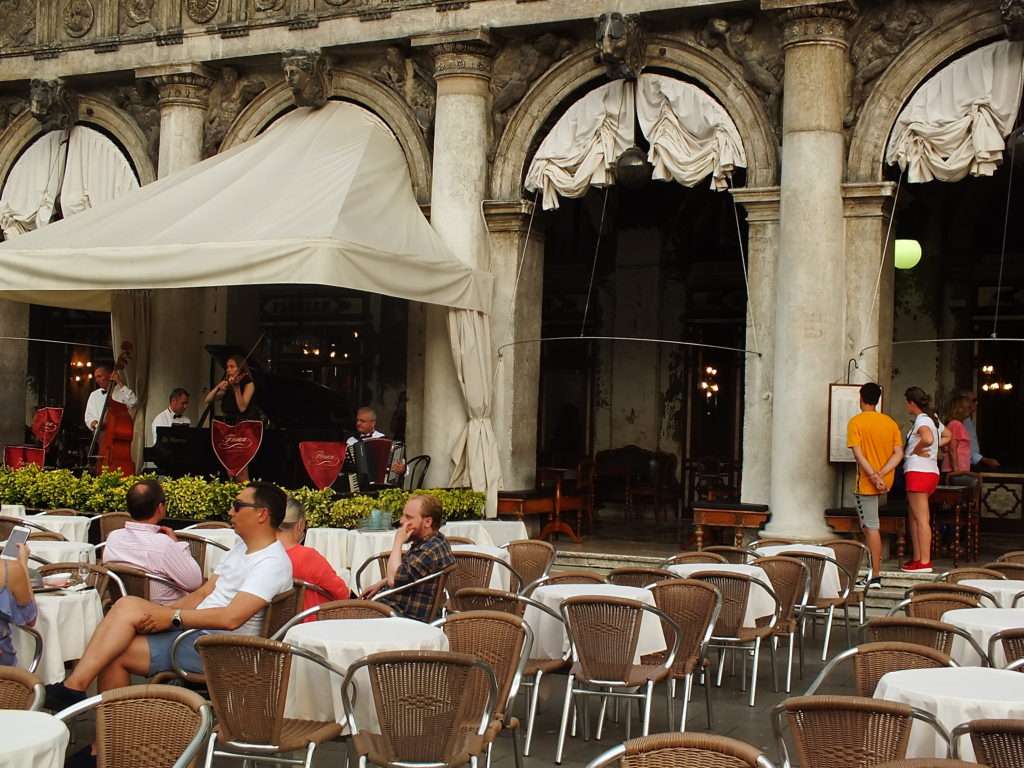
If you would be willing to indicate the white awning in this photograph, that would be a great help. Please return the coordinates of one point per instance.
(323, 197)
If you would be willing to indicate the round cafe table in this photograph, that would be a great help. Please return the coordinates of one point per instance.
(32, 740)
(759, 602)
(488, 533)
(500, 577)
(66, 621)
(1003, 590)
(335, 544)
(315, 694)
(981, 624)
(954, 696)
(12, 510)
(364, 545)
(549, 638)
(830, 586)
(223, 536)
(60, 551)
(71, 527)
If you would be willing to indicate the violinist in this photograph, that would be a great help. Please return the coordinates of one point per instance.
(236, 392)
(105, 377)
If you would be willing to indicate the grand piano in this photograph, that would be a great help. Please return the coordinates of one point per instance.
(295, 410)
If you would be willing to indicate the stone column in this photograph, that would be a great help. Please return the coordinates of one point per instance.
(462, 70)
(809, 296)
(762, 206)
(184, 96)
(13, 369)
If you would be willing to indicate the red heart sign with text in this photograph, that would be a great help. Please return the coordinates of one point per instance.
(323, 462)
(17, 456)
(235, 445)
(46, 424)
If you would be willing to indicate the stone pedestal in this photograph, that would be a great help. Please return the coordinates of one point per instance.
(13, 367)
(809, 297)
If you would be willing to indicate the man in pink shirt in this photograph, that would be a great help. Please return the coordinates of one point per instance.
(146, 544)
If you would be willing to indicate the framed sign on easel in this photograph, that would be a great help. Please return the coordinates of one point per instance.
(843, 405)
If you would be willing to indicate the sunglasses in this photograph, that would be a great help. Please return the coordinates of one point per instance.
(238, 506)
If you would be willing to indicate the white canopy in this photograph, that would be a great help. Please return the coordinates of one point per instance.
(322, 197)
(956, 123)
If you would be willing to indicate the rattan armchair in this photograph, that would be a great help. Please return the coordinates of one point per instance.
(486, 599)
(208, 524)
(1012, 642)
(853, 556)
(683, 750)
(772, 541)
(819, 607)
(197, 546)
(177, 724)
(110, 522)
(729, 631)
(925, 632)
(701, 557)
(932, 606)
(603, 636)
(422, 715)
(737, 555)
(108, 585)
(929, 762)
(7, 524)
(338, 610)
(564, 577)
(459, 540)
(791, 581)
(962, 590)
(873, 660)
(440, 579)
(1017, 556)
(694, 607)
(846, 731)
(46, 536)
(957, 575)
(997, 743)
(20, 689)
(1009, 569)
(531, 558)
(37, 645)
(247, 678)
(137, 581)
(475, 569)
(638, 577)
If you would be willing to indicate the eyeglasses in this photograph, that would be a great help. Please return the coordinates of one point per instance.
(238, 506)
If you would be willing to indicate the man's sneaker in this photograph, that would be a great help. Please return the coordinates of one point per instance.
(59, 696)
(916, 567)
(865, 583)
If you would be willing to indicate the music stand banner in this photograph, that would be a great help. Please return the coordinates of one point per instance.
(46, 425)
(235, 445)
(18, 456)
(323, 461)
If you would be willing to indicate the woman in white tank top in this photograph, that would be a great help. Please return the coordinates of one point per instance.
(921, 471)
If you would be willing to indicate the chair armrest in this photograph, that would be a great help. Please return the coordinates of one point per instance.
(296, 619)
(180, 671)
(396, 590)
(37, 653)
(188, 757)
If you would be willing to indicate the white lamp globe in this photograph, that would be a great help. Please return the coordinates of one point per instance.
(907, 254)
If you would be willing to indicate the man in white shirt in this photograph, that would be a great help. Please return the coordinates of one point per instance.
(366, 426)
(136, 636)
(105, 376)
(174, 414)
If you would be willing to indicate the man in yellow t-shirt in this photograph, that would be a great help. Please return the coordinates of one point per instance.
(878, 447)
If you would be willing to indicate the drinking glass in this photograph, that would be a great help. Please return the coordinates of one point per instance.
(83, 566)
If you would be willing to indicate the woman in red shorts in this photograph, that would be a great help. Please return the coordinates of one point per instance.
(921, 471)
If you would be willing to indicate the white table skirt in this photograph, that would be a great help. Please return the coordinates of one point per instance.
(759, 602)
(59, 551)
(224, 536)
(12, 510)
(314, 693)
(366, 544)
(954, 696)
(335, 544)
(71, 527)
(1003, 590)
(981, 624)
(66, 622)
(32, 740)
(549, 638)
(488, 533)
(830, 584)
(499, 576)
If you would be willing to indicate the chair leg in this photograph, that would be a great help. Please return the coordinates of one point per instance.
(775, 675)
(670, 693)
(601, 714)
(585, 703)
(753, 672)
(707, 700)
(515, 750)
(310, 749)
(532, 715)
(686, 702)
(721, 666)
(846, 621)
(800, 641)
(565, 719)
(789, 662)
(210, 746)
(648, 699)
(828, 632)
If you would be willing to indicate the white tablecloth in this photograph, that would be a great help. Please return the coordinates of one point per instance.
(224, 536)
(830, 586)
(499, 576)
(1003, 590)
(12, 510)
(335, 544)
(487, 533)
(981, 624)
(759, 602)
(59, 551)
(32, 740)
(71, 527)
(364, 545)
(66, 622)
(549, 638)
(954, 696)
(314, 693)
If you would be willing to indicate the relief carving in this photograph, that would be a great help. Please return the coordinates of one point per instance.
(1012, 12)
(17, 23)
(761, 61)
(79, 16)
(10, 109)
(620, 45)
(518, 66)
(880, 37)
(137, 12)
(201, 11)
(141, 102)
(53, 104)
(306, 74)
(229, 95)
(412, 81)
(269, 6)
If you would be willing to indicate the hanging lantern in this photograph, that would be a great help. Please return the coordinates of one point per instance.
(632, 169)
(907, 253)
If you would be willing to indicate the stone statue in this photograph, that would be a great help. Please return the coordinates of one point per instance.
(1012, 12)
(412, 81)
(53, 104)
(306, 74)
(10, 110)
(518, 67)
(141, 101)
(392, 72)
(17, 23)
(620, 45)
(228, 96)
(880, 39)
(761, 68)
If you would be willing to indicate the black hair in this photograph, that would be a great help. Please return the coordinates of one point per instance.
(143, 498)
(273, 498)
(922, 400)
(177, 392)
(871, 393)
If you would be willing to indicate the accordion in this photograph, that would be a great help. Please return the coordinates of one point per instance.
(370, 461)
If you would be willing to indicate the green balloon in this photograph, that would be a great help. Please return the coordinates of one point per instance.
(907, 253)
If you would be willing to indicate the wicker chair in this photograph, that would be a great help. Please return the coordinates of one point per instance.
(997, 743)
(932, 606)
(37, 646)
(694, 607)
(929, 762)
(475, 569)
(873, 660)
(772, 541)
(338, 610)
(110, 522)
(197, 546)
(504, 642)
(853, 556)
(64, 512)
(107, 584)
(962, 590)
(957, 575)
(531, 558)
(1017, 598)
(737, 555)
(638, 577)
(137, 581)
(846, 731)
(46, 536)
(1017, 556)
(423, 716)
(693, 557)
(1012, 642)
(565, 577)
(247, 678)
(694, 750)
(177, 725)
(925, 632)
(20, 689)
(1009, 569)
(603, 635)
(453, 540)
(209, 524)
(486, 599)
(7, 524)
(729, 631)
(380, 560)
(791, 581)
(819, 607)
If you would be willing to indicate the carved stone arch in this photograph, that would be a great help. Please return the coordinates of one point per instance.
(355, 87)
(723, 81)
(898, 83)
(24, 129)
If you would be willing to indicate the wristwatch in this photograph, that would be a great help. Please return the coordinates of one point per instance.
(176, 621)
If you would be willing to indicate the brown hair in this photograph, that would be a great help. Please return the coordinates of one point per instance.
(243, 366)
(959, 409)
(430, 506)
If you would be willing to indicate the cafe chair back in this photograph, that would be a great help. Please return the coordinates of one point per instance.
(46, 536)
(997, 743)
(338, 610)
(1012, 643)
(486, 599)
(736, 555)
(929, 633)
(772, 541)
(37, 646)
(683, 750)
(638, 577)
(20, 689)
(197, 546)
(1008, 568)
(8, 523)
(531, 558)
(138, 581)
(962, 590)
(932, 606)
(474, 569)
(1017, 556)
(871, 661)
(110, 522)
(564, 577)
(685, 558)
(821, 607)
(854, 557)
(929, 762)
(957, 575)
(791, 580)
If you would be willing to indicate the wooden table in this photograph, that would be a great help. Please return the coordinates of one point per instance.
(549, 501)
(723, 514)
(957, 497)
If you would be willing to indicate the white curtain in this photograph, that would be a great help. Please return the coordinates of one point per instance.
(581, 150)
(957, 122)
(691, 135)
(97, 171)
(477, 463)
(131, 320)
(28, 196)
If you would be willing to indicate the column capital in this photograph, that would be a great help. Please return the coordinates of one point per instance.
(511, 216)
(868, 200)
(186, 85)
(815, 22)
(761, 203)
(465, 54)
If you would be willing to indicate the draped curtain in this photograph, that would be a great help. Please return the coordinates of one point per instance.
(957, 122)
(97, 171)
(28, 196)
(131, 320)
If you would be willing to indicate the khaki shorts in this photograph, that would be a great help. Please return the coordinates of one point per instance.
(867, 509)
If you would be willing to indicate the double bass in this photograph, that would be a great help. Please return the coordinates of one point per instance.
(111, 446)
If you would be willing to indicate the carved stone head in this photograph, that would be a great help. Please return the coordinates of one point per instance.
(53, 104)
(1012, 12)
(306, 74)
(620, 45)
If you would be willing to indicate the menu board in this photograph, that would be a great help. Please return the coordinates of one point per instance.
(843, 405)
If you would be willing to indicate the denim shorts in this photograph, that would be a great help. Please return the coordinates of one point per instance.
(160, 652)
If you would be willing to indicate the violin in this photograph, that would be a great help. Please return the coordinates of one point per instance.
(116, 427)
